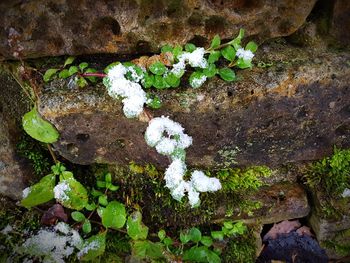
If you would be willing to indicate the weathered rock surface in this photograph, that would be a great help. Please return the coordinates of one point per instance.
(14, 170)
(340, 26)
(281, 201)
(294, 110)
(58, 27)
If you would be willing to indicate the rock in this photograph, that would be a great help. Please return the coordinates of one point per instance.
(281, 201)
(340, 22)
(271, 116)
(14, 170)
(57, 27)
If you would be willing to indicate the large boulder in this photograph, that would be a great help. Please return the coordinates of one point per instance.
(293, 107)
(56, 27)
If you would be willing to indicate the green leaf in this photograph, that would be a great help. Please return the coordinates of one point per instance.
(113, 187)
(81, 82)
(144, 249)
(229, 53)
(184, 237)
(215, 42)
(72, 70)
(161, 234)
(236, 43)
(86, 226)
(212, 257)
(189, 47)
(108, 178)
(252, 46)
(83, 66)
(110, 66)
(197, 79)
(114, 215)
(159, 82)
(196, 254)
(166, 48)
(134, 72)
(102, 200)
(217, 235)
(172, 80)
(49, 74)
(168, 241)
(64, 74)
(78, 216)
(101, 184)
(210, 71)
(96, 193)
(243, 64)
(38, 128)
(177, 51)
(147, 81)
(135, 228)
(72, 195)
(93, 247)
(69, 61)
(157, 68)
(214, 56)
(195, 234)
(91, 207)
(206, 241)
(228, 225)
(227, 74)
(40, 192)
(153, 101)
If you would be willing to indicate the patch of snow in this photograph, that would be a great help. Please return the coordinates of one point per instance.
(203, 183)
(245, 54)
(197, 82)
(195, 59)
(60, 191)
(7, 229)
(85, 250)
(26, 192)
(346, 193)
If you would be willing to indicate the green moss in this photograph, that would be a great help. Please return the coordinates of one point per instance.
(36, 153)
(241, 249)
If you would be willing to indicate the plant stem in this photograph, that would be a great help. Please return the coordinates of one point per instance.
(100, 75)
(52, 153)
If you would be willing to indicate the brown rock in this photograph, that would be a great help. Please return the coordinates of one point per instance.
(270, 116)
(14, 170)
(56, 27)
(340, 24)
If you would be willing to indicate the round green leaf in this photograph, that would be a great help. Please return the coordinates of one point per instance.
(81, 82)
(86, 226)
(93, 247)
(196, 254)
(38, 128)
(243, 64)
(195, 234)
(49, 74)
(69, 61)
(148, 80)
(212, 257)
(114, 215)
(214, 56)
(71, 194)
(40, 192)
(135, 228)
(72, 70)
(153, 101)
(197, 79)
(168, 241)
(177, 51)
(172, 80)
(157, 68)
(83, 66)
(161, 234)
(102, 200)
(206, 241)
(64, 74)
(184, 237)
(159, 82)
(210, 71)
(215, 42)
(228, 225)
(217, 235)
(252, 46)
(227, 74)
(189, 47)
(229, 53)
(166, 48)
(78, 216)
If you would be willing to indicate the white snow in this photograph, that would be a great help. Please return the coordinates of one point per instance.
(346, 193)
(85, 250)
(132, 93)
(203, 183)
(197, 82)
(26, 192)
(174, 174)
(7, 229)
(60, 191)
(245, 54)
(52, 244)
(195, 58)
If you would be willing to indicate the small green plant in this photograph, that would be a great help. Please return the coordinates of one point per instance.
(331, 173)
(81, 72)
